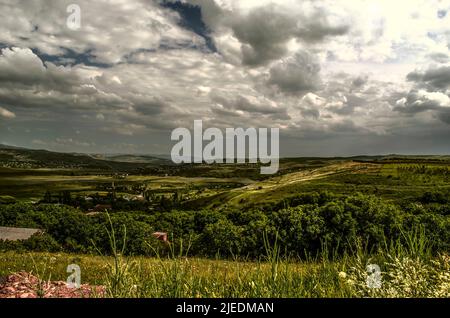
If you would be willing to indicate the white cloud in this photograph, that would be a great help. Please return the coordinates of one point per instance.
(110, 30)
(6, 113)
(314, 68)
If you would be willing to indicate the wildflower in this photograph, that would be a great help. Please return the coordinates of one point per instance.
(342, 275)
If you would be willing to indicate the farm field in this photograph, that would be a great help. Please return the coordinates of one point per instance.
(397, 181)
(27, 186)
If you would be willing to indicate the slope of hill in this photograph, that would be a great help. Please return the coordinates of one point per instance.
(132, 158)
(16, 157)
(279, 186)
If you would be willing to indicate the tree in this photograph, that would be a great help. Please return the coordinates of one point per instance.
(66, 198)
(223, 237)
(47, 197)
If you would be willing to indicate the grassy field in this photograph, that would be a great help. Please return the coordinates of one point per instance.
(392, 181)
(405, 272)
(31, 185)
(186, 277)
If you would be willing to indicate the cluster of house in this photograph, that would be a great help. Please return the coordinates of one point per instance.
(129, 197)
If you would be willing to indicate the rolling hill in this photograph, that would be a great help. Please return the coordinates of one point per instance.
(30, 158)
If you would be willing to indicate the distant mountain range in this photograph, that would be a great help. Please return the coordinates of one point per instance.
(17, 156)
(130, 158)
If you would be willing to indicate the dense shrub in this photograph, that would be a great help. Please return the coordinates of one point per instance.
(305, 225)
(39, 243)
(435, 197)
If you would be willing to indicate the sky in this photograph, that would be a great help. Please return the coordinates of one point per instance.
(338, 78)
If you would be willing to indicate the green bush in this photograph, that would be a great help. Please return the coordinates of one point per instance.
(306, 225)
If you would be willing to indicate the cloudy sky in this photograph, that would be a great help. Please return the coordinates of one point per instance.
(337, 77)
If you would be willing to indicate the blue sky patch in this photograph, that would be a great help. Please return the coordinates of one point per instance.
(191, 19)
(71, 57)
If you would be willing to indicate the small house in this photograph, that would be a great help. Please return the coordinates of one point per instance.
(161, 236)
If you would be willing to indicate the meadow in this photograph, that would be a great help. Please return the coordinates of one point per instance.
(406, 271)
(311, 230)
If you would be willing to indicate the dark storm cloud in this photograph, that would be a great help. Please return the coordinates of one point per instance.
(437, 78)
(265, 31)
(263, 34)
(317, 28)
(360, 81)
(149, 105)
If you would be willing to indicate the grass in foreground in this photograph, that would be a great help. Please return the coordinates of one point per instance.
(407, 270)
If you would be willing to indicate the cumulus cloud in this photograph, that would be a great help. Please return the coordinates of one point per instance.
(422, 101)
(256, 33)
(263, 34)
(21, 67)
(419, 101)
(251, 105)
(430, 93)
(317, 28)
(110, 30)
(437, 78)
(318, 70)
(296, 75)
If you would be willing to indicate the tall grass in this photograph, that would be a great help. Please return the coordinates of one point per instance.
(120, 280)
(408, 270)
